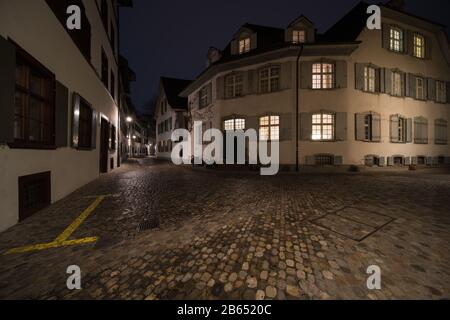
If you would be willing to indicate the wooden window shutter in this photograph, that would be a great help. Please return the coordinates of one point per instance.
(252, 82)
(220, 84)
(286, 75)
(431, 90)
(359, 127)
(61, 115)
(448, 92)
(376, 127)
(7, 90)
(305, 126)
(405, 85)
(338, 160)
(381, 161)
(387, 81)
(94, 129)
(394, 128)
(341, 74)
(306, 75)
(409, 125)
(75, 119)
(234, 47)
(341, 126)
(253, 41)
(210, 93)
(412, 86)
(428, 47)
(385, 34)
(286, 126)
(359, 76)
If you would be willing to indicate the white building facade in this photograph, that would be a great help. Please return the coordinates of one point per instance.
(350, 96)
(58, 101)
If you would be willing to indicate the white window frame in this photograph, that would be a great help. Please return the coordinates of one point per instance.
(298, 36)
(244, 45)
(323, 76)
(269, 79)
(441, 94)
(419, 46)
(323, 127)
(396, 84)
(402, 130)
(420, 88)
(396, 37)
(269, 128)
(234, 86)
(369, 79)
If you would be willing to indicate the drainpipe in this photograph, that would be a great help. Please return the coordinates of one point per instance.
(300, 52)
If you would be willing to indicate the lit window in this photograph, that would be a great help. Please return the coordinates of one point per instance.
(322, 127)
(419, 46)
(441, 95)
(298, 36)
(396, 40)
(234, 86)
(234, 124)
(369, 79)
(244, 45)
(269, 79)
(269, 128)
(420, 92)
(323, 76)
(396, 79)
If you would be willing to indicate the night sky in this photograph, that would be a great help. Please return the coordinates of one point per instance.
(171, 37)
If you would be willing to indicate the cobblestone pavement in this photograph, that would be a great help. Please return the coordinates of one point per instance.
(183, 233)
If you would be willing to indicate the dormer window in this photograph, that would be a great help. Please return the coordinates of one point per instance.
(244, 45)
(298, 36)
(419, 46)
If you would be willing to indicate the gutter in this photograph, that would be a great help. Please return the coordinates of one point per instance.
(297, 164)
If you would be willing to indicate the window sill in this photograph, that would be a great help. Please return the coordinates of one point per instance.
(31, 146)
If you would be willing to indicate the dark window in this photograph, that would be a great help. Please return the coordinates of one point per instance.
(324, 159)
(34, 194)
(104, 13)
(85, 126)
(421, 161)
(82, 37)
(113, 86)
(34, 103)
(113, 138)
(398, 161)
(105, 68)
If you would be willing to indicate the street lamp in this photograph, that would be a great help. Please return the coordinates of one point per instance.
(129, 121)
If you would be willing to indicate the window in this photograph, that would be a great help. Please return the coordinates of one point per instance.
(441, 135)
(322, 127)
(34, 103)
(419, 46)
(396, 82)
(234, 86)
(420, 92)
(402, 123)
(441, 95)
(269, 79)
(244, 45)
(85, 126)
(369, 79)
(298, 36)
(203, 97)
(113, 138)
(269, 128)
(105, 68)
(323, 76)
(113, 86)
(420, 130)
(234, 124)
(368, 127)
(396, 39)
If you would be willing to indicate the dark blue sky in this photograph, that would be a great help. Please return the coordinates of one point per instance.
(171, 37)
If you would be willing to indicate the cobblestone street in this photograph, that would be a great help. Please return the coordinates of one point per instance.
(169, 232)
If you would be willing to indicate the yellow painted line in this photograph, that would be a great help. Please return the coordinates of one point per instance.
(61, 240)
(78, 221)
(51, 245)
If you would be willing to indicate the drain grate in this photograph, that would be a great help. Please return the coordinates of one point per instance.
(149, 224)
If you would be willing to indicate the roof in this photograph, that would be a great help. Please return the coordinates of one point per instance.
(173, 87)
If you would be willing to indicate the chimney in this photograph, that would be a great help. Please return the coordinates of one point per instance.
(396, 4)
(214, 55)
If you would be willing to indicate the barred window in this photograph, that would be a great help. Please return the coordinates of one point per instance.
(269, 79)
(234, 86)
(269, 128)
(323, 127)
(323, 76)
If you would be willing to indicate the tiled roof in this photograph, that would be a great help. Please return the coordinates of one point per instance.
(172, 88)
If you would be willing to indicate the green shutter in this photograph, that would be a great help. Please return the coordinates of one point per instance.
(234, 47)
(385, 36)
(286, 126)
(428, 48)
(61, 115)
(286, 75)
(412, 86)
(387, 81)
(410, 42)
(305, 126)
(341, 74)
(306, 75)
(431, 90)
(220, 83)
(394, 128)
(252, 78)
(390, 161)
(359, 127)
(376, 127)
(359, 76)
(381, 161)
(409, 126)
(341, 126)
(7, 90)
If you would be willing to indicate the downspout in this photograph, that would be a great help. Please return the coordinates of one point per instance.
(297, 164)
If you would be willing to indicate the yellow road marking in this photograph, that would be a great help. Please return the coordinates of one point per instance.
(61, 240)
